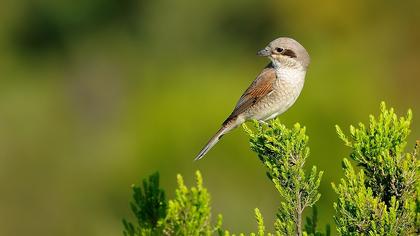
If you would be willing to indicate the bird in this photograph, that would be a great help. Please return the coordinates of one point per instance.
(272, 92)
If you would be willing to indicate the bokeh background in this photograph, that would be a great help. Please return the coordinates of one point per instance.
(96, 95)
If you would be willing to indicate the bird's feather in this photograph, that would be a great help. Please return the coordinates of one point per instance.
(261, 86)
(216, 137)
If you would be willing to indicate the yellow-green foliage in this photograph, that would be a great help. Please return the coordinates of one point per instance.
(187, 214)
(284, 151)
(380, 198)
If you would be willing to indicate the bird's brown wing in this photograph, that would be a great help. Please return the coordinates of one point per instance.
(261, 86)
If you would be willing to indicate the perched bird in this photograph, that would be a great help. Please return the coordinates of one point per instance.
(274, 90)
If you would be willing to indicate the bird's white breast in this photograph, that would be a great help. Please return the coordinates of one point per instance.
(288, 85)
(286, 90)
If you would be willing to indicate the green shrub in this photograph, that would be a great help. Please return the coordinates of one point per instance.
(382, 197)
(284, 151)
(149, 206)
(187, 214)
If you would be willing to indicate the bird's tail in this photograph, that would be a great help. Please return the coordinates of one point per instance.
(227, 126)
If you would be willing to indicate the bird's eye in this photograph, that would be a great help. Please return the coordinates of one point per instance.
(279, 50)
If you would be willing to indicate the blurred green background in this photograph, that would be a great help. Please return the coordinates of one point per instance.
(96, 95)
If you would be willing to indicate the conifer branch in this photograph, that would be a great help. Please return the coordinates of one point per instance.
(381, 198)
(284, 151)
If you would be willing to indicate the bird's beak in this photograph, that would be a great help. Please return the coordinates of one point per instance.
(264, 52)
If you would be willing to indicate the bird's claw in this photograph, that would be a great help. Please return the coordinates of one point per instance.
(263, 122)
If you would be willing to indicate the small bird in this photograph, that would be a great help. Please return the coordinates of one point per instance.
(274, 90)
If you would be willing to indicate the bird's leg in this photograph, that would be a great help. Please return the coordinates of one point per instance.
(263, 122)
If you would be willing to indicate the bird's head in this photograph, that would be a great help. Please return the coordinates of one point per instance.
(286, 52)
